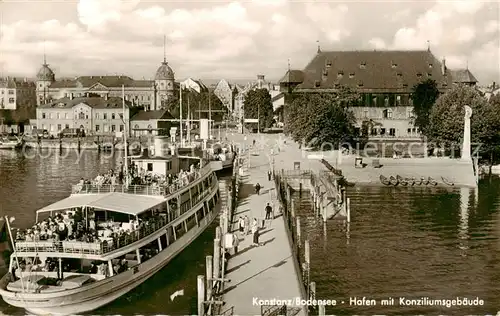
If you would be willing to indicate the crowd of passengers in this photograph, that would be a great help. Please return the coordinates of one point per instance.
(140, 176)
(71, 226)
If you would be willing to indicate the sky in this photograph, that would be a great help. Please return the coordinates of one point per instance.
(237, 39)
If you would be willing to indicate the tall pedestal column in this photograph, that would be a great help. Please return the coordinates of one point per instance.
(466, 142)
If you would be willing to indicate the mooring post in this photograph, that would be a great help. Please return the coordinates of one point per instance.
(209, 273)
(312, 291)
(201, 295)
(307, 259)
(216, 259)
(348, 210)
(321, 310)
(298, 232)
(300, 189)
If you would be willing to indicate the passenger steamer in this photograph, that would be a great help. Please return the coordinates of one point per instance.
(170, 218)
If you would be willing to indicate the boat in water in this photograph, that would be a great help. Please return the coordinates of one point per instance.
(106, 239)
(11, 143)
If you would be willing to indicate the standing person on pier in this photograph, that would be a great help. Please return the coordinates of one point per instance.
(269, 175)
(241, 225)
(255, 232)
(257, 188)
(247, 224)
(269, 211)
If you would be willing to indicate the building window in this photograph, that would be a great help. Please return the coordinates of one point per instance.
(392, 132)
(113, 128)
(122, 128)
(149, 98)
(410, 113)
(399, 74)
(51, 127)
(365, 114)
(429, 74)
(317, 83)
(105, 116)
(328, 63)
(136, 126)
(382, 131)
(362, 65)
(97, 128)
(387, 113)
(419, 75)
(11, 92)
(40, 85)
(374, 99)
(59, 127)
(351, 75)
(374, 131)
(12, 100)
(58, 115)
(405, 85)
(66, 126)
(386, 101)
(112, 116)
(340, 74)
(44, 127)
(430, 65)
(43, 115)
(169, 165)
(81, 116)
(360, 85)
(51, 115)
(398, 100)
(150, 166)
(97, 116)
(66, 115)
(106, 128)
(409, 131)
(394, 65)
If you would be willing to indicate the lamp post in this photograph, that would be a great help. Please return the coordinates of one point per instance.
(123, 118)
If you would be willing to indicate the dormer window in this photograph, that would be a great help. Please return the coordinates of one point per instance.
(328, 63)
(337, 85)
(445, 84)
(362, 65)
(360, 84)
(340, 74)
(405, 85)
(317, 83)
(394, 65)
(430, 66)
(351, 75)
(419, 75)
(429, 74)
(400, 74)
(325, 72)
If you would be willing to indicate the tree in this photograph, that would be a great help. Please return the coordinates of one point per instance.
(424, 96)
(322, 117)
(446, 120)
(258, 104)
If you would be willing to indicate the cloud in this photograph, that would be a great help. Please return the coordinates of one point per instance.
(238, 39)
(377, 43)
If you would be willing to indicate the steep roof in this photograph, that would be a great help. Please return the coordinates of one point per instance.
(292, 76)
(462, 76)
(152, 115)
(94, 102)
(108, 81)
(373, 70)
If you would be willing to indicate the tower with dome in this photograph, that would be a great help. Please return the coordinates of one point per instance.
(44, 79)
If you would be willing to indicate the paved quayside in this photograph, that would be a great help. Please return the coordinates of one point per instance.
(266, 272)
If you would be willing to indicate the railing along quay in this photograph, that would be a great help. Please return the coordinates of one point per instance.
(317, 202)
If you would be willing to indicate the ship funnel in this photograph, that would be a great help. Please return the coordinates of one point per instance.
(161, 146)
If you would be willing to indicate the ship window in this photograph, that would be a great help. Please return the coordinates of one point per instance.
(150, 166)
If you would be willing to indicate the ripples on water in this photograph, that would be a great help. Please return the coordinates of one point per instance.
(411, 242)
(30, 182)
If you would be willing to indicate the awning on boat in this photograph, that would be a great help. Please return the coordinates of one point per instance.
(116, 202)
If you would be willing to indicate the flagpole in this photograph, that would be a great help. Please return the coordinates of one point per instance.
(189, 121)
(180, 116)
(209, 117)
(125, 135)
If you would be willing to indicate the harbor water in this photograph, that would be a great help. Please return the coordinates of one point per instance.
(403, 242)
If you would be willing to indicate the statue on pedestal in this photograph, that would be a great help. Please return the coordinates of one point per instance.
(466, 142)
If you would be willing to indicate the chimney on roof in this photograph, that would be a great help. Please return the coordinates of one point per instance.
(90, 77)
(443, 66)
(25, 79)
(106, 96)
(71, 96)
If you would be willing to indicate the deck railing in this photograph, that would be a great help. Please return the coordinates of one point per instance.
(102, 247)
